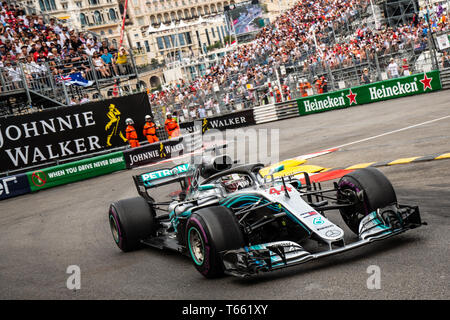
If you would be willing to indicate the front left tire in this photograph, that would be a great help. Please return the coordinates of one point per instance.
(210, 231)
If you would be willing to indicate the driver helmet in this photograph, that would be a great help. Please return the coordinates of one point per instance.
(234, 182)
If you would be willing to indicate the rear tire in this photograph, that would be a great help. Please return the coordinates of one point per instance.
(208, 232)
(131, 220)
(377, 193)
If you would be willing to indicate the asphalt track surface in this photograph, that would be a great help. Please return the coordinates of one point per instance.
(42, 234)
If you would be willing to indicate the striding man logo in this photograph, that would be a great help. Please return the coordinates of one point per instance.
(112, 127)
(162, 153)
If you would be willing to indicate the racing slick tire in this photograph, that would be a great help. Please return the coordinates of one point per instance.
(131, 220)
(377, 193)
(208, 232)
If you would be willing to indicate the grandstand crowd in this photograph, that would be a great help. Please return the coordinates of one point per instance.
(304, 35)
(301, 34)
(51, 48)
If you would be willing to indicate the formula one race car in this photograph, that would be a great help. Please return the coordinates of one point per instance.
(230, 219)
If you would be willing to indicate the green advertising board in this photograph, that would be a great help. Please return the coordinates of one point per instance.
(378, 91)
(75, 171)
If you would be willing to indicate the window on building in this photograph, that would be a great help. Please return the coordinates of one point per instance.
(47, 5)
(97, 17)
(147, 46)
(198, 38)
(79, 4)
(174, 41)
(83, 19)
(181, 39)
(167, 42)
(188, 37)
(207, 37)
(212, 31)
(112, 14)
(140, 21)
(160, 43)
(218, 32)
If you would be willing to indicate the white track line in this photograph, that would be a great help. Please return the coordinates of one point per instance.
(391, 132)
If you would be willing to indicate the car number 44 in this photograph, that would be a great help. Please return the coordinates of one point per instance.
(278, 191)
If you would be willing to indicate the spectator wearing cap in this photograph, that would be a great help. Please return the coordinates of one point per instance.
(405, 67)
(393, 69)
(13, 74)
(122, 60)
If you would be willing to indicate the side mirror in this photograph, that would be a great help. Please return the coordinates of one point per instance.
(206, 187)
(276, 169)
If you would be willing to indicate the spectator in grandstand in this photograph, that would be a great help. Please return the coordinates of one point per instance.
(365, 78)
(193, 113)
(393, 69)
(201, 111)
(14, 74)
(216, 107)
(324, 84)
(100, 65)
(109, 61)
(89, 49)
(445, 61)
(405, 68)
(122, 60)
(185, 111)
(85, 99)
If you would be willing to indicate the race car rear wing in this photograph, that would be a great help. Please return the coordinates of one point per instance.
(161, 177)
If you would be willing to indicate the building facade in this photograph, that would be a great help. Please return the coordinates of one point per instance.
(101, 17)
(167, 30)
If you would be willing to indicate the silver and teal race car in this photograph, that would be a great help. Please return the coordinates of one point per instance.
(229, 218)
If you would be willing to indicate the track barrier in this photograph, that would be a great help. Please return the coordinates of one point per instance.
(151, 153)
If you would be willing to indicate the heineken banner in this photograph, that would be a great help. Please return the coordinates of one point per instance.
(228, 121)
(75, 171)
(42, 137)
(378, 91)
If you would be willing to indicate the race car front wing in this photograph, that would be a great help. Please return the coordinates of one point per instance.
(251, 260)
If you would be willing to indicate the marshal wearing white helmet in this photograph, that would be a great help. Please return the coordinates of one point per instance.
(131, 133)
